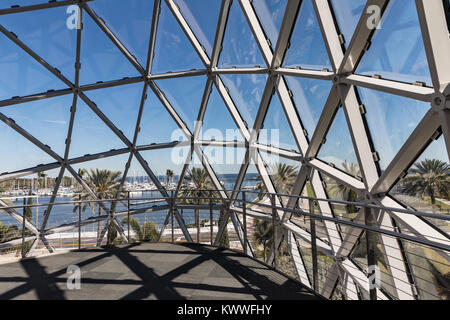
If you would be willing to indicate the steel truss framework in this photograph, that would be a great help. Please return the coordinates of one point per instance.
(372, 188)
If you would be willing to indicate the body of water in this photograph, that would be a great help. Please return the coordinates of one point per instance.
(64, 214)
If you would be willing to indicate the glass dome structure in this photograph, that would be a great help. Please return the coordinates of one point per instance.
(351, 93)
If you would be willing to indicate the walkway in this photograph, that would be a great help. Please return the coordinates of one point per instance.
(148, 271)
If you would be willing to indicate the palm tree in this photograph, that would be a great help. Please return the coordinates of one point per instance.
(169, 174)
(283, 176)
(263, 235)
(341, 190)
(148, 232)
(43, 175)
(105, 185)
(430, 177)
(198, 185)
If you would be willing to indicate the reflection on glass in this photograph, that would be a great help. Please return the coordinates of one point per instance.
(100, 59)
(203, 25)
(307, 45)
(270, 14)
(90, 134)
(185, 96)
(120, 104)
(239, 46)
(46, 33)
(217, 122)
(276, 130)
(246, 91)
(347, 14)
(130, 22)
(173, 51)
(397, 50)
(391, 120)
(47, 120)
(157, 125)
(310, 96)
(338, 147)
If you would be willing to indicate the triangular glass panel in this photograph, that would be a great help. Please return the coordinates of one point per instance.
(397, 51)
(339, 191)
(239, 46)
(359, 256)
(282, 171)
(254, 184)
(157, 125)
(384, 112)
(21, 75)
(173, 51)
(185, 96)
(47, 120)
(310, 96)
(100, 59)
(270, 14)
(217, 122)
(307, 48)
(120, 104)
(130, 21)
(47, 34)
(18, 153)
(338, 147)
(90, 134)
(302, 220)
(429, 270)
(246, 91)
(105, 187)
(225, 162)
(276, 130)
(347, 14)
(203, 25)
(431, 168)
(162, 160)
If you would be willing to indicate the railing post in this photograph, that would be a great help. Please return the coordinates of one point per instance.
(23, 228)
(274, 247)
(171, 214)
(244, 221)
(312, 227)
(197, 218)
(128, 216)
(371, 257)
(79, 222)
(211, 225)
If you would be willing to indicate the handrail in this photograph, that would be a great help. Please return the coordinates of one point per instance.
(239, 205)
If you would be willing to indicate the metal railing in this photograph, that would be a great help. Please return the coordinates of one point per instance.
(331, 240)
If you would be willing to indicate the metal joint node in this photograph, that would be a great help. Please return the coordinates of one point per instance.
(440, 102)
(339, 259)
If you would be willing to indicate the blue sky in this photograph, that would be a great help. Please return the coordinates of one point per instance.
(395, 53)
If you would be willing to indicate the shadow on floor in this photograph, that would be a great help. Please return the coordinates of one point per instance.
(149, 271)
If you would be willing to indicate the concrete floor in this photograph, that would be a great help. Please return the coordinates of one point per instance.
(148, 271)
